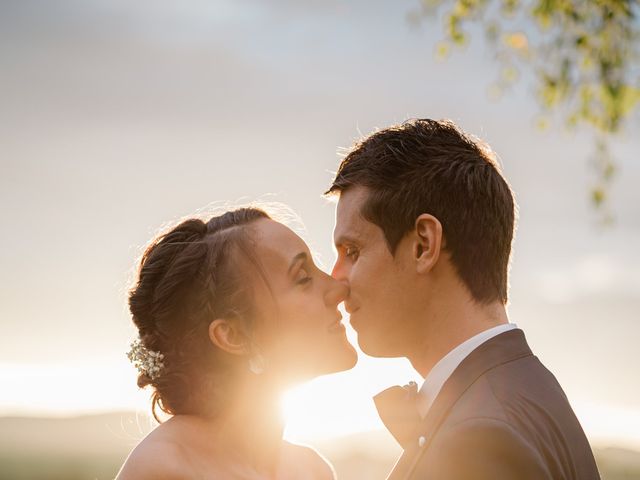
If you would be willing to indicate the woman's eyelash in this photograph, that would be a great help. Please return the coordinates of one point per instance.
(304, 277)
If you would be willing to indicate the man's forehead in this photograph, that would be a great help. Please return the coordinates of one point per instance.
(349, 221)
(351, 201)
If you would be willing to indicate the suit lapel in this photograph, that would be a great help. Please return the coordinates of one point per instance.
(501, 349)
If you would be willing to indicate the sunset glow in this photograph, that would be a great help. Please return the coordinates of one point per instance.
(119, 118)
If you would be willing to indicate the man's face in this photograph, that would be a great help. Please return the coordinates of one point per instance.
(381, 285)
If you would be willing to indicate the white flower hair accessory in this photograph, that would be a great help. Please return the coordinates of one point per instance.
(145, 360)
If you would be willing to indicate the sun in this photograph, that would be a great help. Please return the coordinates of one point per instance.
(322, 408)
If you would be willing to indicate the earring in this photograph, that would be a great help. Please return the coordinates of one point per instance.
(256, 364)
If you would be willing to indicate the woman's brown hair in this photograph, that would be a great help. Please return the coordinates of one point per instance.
(187, 277)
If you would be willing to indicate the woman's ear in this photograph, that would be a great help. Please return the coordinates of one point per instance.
(428, 235)
(227, 336)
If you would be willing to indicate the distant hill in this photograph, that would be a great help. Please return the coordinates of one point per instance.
(86, 447)
(93, 448)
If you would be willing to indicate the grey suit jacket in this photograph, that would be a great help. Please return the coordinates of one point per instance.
(501, 415)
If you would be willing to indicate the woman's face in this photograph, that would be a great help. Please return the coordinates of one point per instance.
(298, 330)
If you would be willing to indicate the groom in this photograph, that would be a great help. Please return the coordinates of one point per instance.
(424, 226)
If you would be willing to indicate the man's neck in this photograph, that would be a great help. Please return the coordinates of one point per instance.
(450, 327)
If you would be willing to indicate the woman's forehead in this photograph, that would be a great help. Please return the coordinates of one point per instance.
(277, 242)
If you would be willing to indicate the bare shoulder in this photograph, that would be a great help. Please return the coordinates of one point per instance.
(155, 458)
(309, 461)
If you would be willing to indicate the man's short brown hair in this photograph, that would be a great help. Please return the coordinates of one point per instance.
(432, 166)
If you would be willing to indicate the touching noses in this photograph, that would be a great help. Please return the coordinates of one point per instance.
(337, 291)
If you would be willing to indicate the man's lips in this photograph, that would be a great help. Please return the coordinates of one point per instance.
(350, 308)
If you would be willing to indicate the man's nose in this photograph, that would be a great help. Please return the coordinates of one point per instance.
(339, 272)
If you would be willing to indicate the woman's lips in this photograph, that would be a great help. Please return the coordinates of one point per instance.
(336, 326)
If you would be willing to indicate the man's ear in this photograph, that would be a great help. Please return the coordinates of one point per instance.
(428, 242)
(227, 336)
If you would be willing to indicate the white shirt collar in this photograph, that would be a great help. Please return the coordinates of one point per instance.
(447, 364)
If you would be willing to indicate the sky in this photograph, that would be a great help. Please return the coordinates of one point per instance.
(118, 117)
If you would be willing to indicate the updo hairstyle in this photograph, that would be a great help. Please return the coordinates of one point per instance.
(188, 277)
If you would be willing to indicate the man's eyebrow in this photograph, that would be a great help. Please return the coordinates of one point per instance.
(342, 239)
(296, 259)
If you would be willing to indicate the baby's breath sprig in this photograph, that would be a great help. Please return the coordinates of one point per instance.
(145, 360)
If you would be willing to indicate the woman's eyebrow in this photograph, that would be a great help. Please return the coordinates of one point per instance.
(296, 259)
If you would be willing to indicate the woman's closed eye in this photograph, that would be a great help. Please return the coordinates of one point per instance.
(302, 277)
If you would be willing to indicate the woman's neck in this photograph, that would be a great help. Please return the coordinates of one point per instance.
(250, 429)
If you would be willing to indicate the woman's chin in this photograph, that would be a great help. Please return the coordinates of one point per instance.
(345, 360)
(333, 362)
(353, 358)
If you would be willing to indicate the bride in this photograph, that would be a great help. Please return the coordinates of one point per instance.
(230, 313)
